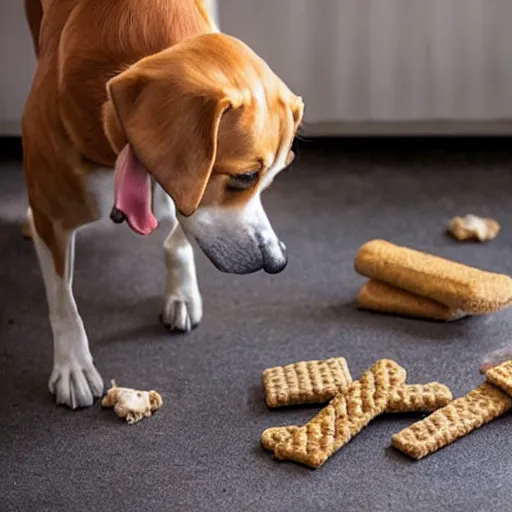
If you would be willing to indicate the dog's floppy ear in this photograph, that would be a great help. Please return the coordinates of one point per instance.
(297, 106)
(171, 123)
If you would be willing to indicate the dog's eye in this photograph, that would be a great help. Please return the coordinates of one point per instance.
(242, 181)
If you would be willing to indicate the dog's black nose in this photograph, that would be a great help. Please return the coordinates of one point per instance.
(117, 216)
(274, 265)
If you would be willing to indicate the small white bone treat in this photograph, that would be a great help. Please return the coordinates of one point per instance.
(472, 227)
(132, 404)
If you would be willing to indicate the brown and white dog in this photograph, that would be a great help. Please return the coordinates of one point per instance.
(145, 106)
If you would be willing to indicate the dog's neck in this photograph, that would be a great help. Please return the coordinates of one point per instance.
(184, 20)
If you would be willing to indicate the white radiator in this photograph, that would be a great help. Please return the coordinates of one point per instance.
(361, 65)
(361, 62)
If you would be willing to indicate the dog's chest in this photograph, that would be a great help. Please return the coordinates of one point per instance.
(100, 188)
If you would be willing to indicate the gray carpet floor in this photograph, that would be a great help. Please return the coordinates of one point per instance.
(201, 452)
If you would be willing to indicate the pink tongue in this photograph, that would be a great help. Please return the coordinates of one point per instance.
(133, 192)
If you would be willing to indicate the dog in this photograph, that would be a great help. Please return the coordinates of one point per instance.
(144, 111)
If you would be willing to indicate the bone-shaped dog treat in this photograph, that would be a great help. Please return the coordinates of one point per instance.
(344, 417)
(471, 227)
(318, 381)
(409, 398)
(458, 286)
(457, 419)
(305, 382)
(132, 404)
(501, 376)
(384, 298)
(273, 436)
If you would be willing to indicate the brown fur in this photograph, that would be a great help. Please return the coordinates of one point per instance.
(207, 125)
(34, 14)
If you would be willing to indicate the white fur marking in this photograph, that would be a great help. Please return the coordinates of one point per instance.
(183, 308)
(278, 165)
(260, 96)
(100, 184)
(163, 205)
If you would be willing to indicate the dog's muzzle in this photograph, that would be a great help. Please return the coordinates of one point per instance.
(246, 259)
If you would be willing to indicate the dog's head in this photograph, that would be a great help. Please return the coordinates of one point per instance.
(213, 125)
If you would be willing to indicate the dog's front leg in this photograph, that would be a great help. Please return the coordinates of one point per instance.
(74, 380)
(183, 307)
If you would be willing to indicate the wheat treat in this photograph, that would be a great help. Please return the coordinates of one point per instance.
(457, 419)
(273, 436)
(472, 227)
(419, 398)
(384, 298)
(458, 286)
(132, 404)
(501, 376)
(305, 382)
(409, 398)
(344, 417)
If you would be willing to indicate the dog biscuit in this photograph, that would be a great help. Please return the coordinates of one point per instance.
(453, 284)
(501, 376)
(384, 298)
(336, 378)
(344, 417)
(409, 398)
(457, 419)
(419, 398)
(305, 382)
(273, 436)
(132, 404)
(471, 227)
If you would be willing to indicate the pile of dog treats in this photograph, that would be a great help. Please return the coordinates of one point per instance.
(352, 405)
(409, 282)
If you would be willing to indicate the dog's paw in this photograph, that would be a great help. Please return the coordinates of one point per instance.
(75, 384)
(182, 315)
(495, 358)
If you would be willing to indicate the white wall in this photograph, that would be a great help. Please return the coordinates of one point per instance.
(17, 63)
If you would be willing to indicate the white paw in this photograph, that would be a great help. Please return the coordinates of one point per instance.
(180, 314)
(75, 384)
(497, 357)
